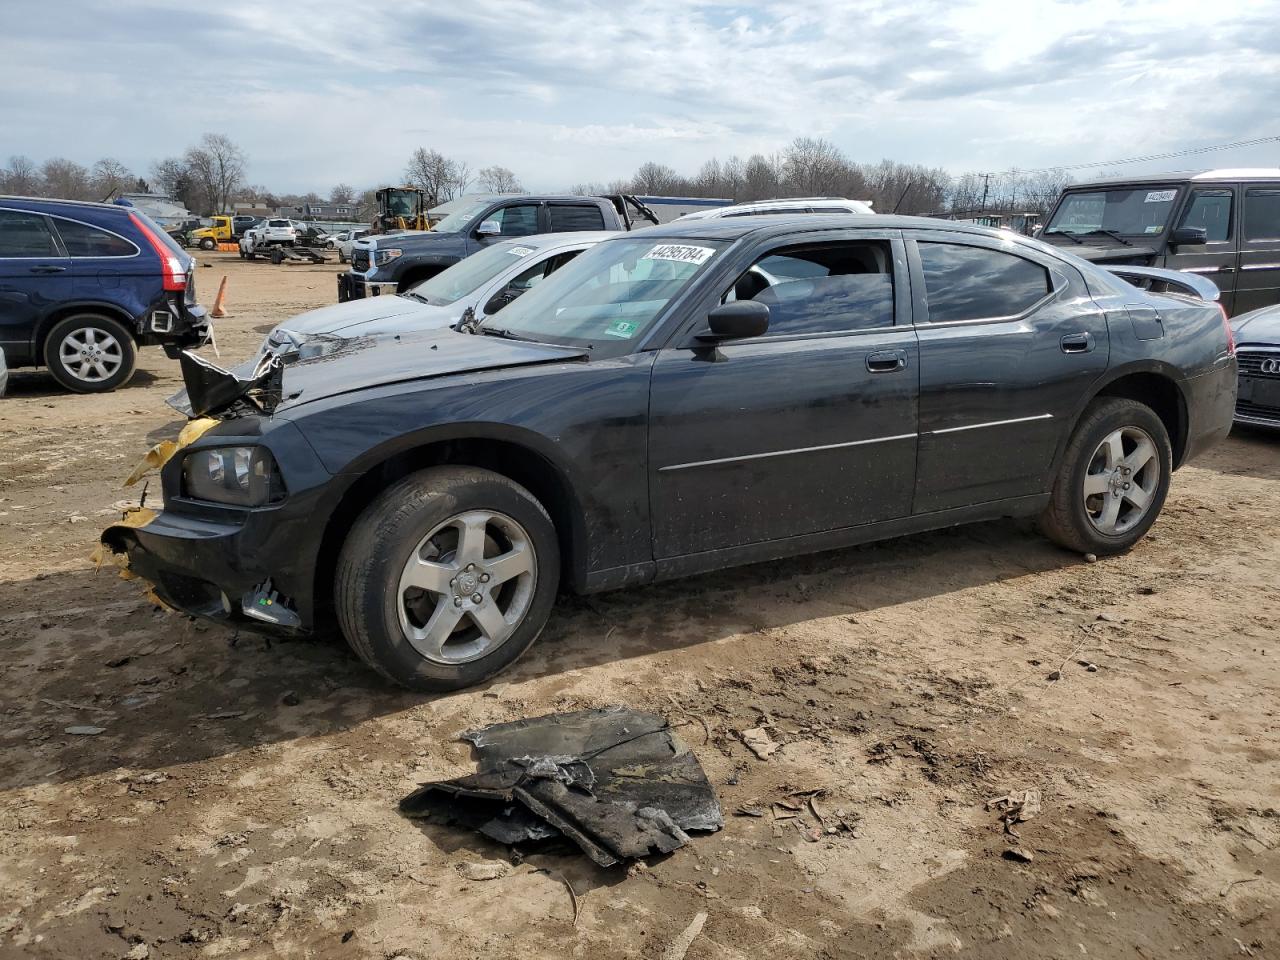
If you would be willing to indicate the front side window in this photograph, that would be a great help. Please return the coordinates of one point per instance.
(977, 283)
(1262, 213)
(82, 240)
(520, 220)
(1210, 209)
(822, 288)
(25, 235)
(610, 295)
(1141, 211)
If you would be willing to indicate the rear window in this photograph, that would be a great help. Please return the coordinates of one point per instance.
(25, 234)
(1262, 213)
(82, 240)
(277, 223)
(576, 217)
(977, 283)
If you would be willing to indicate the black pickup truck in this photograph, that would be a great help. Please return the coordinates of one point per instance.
(408, 258)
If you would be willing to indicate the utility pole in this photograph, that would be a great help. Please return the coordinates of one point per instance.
(986, 188)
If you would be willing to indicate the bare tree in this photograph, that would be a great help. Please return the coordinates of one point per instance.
(657, 179)
(812, 166)
(498, 179)
(66, 180)
(342, 193)
(441, 178)
(761, 177)
(110, 177)
(217, 165)
(20, 177)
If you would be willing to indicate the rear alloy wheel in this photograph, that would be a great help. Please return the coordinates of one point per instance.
(90, 353)
(1113, 480)
(447, 578)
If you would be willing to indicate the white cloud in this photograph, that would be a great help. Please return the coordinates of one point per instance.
(587, 89)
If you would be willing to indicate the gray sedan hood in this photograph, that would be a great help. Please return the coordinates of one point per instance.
(1258, 326)
(369, 315)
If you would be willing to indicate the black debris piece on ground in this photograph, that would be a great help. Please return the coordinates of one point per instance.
(614, 781)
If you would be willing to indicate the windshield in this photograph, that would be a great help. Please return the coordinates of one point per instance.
(611, 294)
(459, 219)
(469, 275)
(1135, 212)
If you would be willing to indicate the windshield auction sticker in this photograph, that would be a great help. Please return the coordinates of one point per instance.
(681, 253)
(1161, 196)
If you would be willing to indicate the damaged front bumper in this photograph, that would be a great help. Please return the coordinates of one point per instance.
(252, 565)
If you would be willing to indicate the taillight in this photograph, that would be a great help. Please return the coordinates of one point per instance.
(1231, 334)
(175, 274)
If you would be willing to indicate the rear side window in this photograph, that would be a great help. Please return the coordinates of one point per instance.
(575, 217)
(975, 283)
(1210, 209)
(823, 288)
(25, 235)
(1262, 213)
(82, 240)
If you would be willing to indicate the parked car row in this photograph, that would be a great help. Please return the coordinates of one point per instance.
(669, 401)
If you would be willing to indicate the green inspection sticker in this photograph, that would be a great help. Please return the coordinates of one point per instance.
(625, 329)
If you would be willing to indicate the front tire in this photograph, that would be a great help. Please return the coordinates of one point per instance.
(447, 578)
(207, 243)
(90, 353)
(1113, 480)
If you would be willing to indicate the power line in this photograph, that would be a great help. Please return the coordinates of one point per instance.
(1152, 156)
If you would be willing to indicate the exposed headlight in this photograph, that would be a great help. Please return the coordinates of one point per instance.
(386, 256)
(243, 476)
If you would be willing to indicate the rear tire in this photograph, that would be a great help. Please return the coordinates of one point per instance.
(277, 256)
(90, 353)
(1113, 479)
(487, 554)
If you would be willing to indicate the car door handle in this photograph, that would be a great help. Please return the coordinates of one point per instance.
(48, 268)
(1077, 343)
(886, 361)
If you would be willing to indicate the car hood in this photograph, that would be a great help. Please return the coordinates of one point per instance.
(1107, 254)
(333, 365)
(372, 315)
(1258, 326)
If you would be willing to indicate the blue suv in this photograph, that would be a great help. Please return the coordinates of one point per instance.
(83, 285)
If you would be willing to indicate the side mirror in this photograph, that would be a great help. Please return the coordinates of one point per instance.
(736, 321)
(1189, 236)
(489, 228)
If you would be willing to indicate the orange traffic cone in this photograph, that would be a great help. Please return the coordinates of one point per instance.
(220, 301)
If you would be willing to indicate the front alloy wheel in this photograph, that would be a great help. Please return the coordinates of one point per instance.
(447, 577)
(467, 586)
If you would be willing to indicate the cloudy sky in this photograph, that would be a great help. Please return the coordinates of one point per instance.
(577, 90)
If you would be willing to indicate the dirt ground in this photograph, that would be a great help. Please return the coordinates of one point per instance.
(241, 799)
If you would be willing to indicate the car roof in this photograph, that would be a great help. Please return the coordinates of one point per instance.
(768, 225)
(68, 204)
(1185, 176)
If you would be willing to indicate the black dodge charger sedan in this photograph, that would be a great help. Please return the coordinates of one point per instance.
(677, 400)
